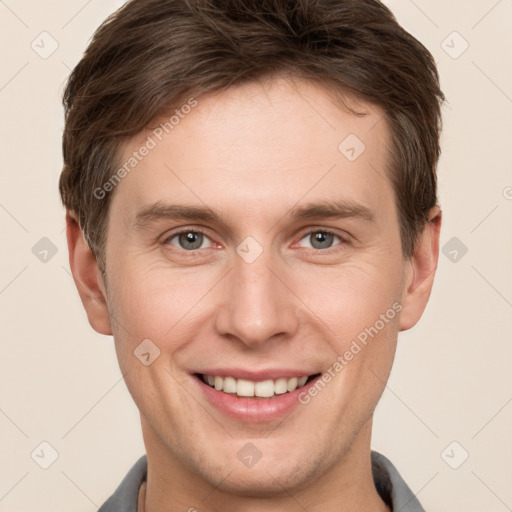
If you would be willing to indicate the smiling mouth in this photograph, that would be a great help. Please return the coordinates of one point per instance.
(255, 389)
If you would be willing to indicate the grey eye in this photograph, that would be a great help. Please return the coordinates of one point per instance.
(320, 239)
(188, 240)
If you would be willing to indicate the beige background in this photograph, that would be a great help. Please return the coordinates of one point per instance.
(452, 381)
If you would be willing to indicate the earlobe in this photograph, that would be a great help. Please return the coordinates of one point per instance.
(87, 277)
(420, 272)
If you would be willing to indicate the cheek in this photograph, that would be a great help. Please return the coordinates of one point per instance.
(149, 300)
(351, 299)
(152, 307)
(156, 303)
(360, 305)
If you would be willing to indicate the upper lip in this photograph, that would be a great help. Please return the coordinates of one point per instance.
(257, 375)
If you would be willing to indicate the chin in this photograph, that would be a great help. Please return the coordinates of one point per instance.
(258, 484)
(266, 479)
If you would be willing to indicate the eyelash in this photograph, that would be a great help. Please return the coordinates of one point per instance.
(343, 240)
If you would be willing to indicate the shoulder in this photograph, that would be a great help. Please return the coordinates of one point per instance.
(392, 487)
(125, 496)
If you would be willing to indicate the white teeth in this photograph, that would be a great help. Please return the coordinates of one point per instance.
(292, 383)
(281, 386)
(248, 388)
(265, 388)
(229, 385)
(244, 387)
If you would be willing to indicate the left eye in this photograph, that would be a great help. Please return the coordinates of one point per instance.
(320, 239)
(188, 240)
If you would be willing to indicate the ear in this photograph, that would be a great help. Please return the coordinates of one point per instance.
(87, 277)
(420, 271)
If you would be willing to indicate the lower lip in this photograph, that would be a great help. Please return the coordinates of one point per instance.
(254, 409)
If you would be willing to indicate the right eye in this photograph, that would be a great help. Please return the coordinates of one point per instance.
(188, 240)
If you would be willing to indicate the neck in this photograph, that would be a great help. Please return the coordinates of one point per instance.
(345, 486)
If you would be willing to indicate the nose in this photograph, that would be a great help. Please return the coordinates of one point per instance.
(257, 306)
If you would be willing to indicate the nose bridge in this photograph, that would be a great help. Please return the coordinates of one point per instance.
(256, 304)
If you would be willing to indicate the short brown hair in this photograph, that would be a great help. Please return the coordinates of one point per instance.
(150, 54)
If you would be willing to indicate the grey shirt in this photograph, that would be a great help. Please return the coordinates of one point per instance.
(390, 485)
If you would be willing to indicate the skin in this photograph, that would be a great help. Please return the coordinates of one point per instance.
(253, 153)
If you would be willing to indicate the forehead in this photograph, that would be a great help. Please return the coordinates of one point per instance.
(259, 148)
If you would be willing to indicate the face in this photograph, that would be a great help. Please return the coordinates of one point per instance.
(254, 252)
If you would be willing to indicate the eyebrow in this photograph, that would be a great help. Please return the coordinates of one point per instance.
(319, 210)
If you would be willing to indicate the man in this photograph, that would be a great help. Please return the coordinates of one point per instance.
(252, 214)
